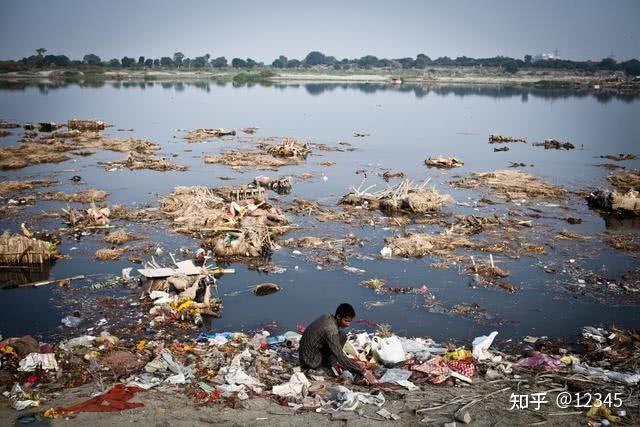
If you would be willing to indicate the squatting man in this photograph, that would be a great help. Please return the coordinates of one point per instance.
(322, 341)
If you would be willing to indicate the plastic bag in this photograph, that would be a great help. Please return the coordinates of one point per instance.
(388, 350)
(481, 346)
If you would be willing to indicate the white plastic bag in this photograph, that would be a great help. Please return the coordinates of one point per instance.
(481, 346)
(388, 350)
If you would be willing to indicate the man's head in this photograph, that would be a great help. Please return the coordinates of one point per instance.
(345, 314)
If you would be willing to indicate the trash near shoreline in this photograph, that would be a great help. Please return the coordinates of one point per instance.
(229, 369)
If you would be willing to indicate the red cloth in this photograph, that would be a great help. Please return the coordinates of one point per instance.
(466, 368)
(112, 401)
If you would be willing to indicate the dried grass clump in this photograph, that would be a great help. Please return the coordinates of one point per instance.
(626, 181)
(512, 184)
(405, 197)
(138, 161)
(17, 249)
(8, 187)
(52, 147)
(87, 196)
(373, 283)
(204, 134)
(254, 159)
(25, 155)
(289, 148)
(444, 162)
(422, 244)
(112, 254)
(471, 224)
(498, 139)
(120, 237)
(141, 146)
(231, 227)
(94, 125)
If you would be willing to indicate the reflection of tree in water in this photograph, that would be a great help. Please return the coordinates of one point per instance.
(13, 276)
(419, 91)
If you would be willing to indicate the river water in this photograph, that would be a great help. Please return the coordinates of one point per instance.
(406, 125)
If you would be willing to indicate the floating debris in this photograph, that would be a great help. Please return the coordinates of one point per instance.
(554, 144)
(512, 185)
(444, 162)
(498, 139)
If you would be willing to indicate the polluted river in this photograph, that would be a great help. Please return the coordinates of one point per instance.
(507, 240)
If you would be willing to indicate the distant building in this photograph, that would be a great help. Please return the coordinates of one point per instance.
(544, 57)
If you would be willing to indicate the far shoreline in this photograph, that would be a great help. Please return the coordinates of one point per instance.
(606, 82)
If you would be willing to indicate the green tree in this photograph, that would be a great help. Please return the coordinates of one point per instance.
(200, 62)
(177, 58)
(127, 62)
(422, 61)
(165, 61)
(91, 59)
(510, 67)
(141, 61)
(148, 63)
(114, 62)
(41, 51)
(156, 62)
(238, 63)
(607, 64)
(527, 59)
(219, 62)
(251, 63)
(631, 67)
(314, 58)
(281, 62)
(293, 63)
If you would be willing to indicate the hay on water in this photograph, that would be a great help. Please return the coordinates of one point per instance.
(94, 125)
(138, 161)
(443, 162)
(230, 226)
(112, 254)
(626, 181)
(120, 237)
(254, 159)
(202, 134)
(289, 148)
(87, 196)
(422, 244)
(55, 147)
(21, 250)
(512, 184)
(499, 139)
(8, 187)
(406, 197)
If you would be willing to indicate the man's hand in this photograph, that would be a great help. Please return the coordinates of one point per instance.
(365, 379)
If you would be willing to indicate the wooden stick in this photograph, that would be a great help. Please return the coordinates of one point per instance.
(48, 282)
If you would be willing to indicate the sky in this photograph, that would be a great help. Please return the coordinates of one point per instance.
(578, 29)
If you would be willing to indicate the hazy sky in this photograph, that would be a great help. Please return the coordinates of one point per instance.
(579, 29)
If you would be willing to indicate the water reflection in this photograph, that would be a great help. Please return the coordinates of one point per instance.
(419, 91)
(18, 275)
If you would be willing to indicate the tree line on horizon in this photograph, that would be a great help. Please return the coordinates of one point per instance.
(317, 59)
